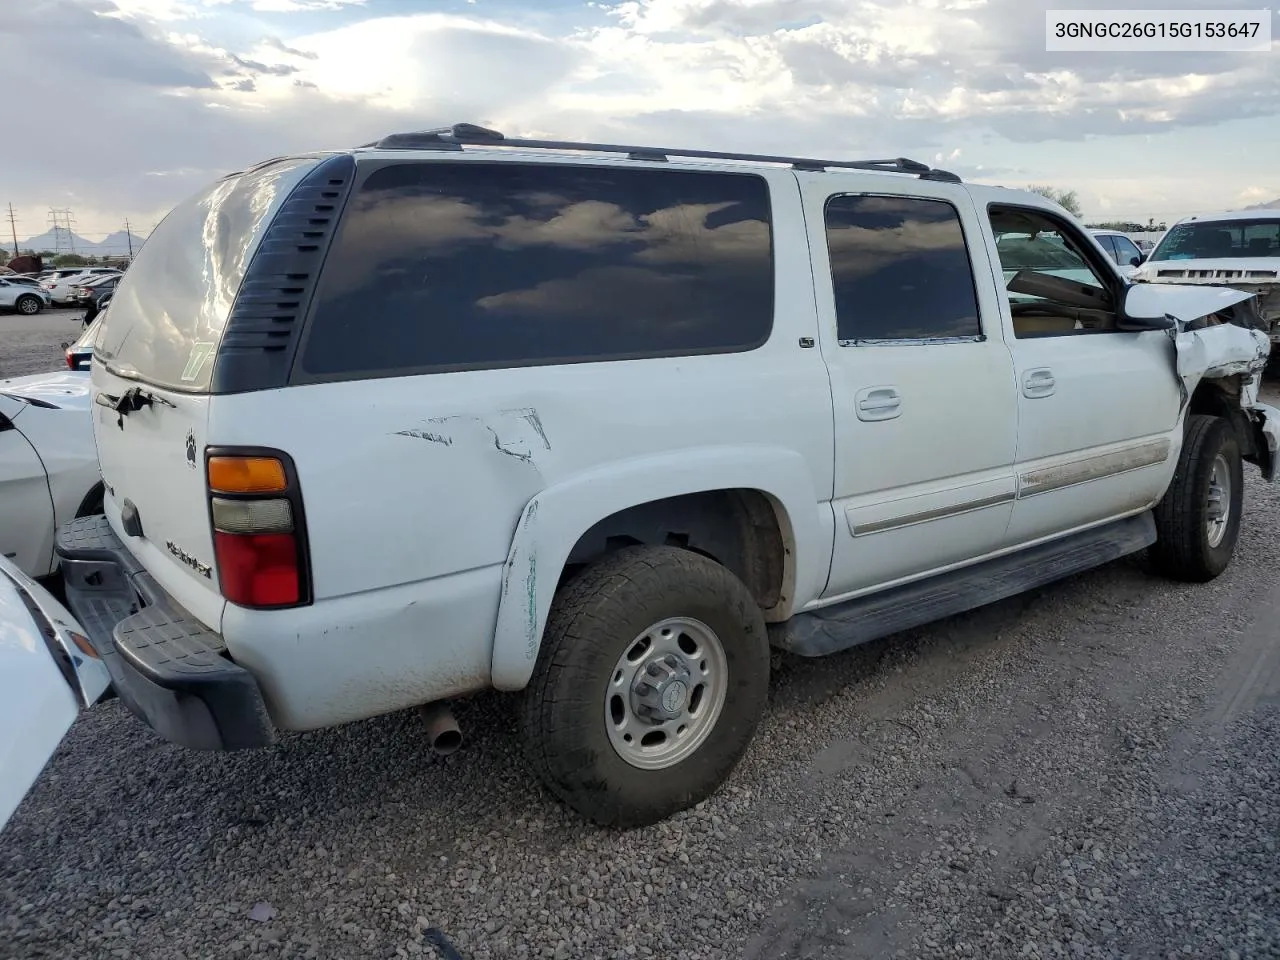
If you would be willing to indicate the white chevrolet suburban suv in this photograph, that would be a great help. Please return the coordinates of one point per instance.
(600, 424)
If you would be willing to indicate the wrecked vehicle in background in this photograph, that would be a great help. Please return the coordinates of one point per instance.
(598, 425)
(1239, 249)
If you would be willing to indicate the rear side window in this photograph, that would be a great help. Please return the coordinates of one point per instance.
(169, 310)
(900, 269)
(447, 265)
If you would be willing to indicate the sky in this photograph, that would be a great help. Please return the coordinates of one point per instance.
(136, 104)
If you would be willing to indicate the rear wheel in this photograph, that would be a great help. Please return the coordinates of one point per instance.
(1198, 521)
(651, 681)
(29, 305)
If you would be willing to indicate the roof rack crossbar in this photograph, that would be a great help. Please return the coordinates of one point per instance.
(460, 134)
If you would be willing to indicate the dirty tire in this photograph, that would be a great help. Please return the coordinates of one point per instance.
(1183, 550)
(28, 305)
(594, 619)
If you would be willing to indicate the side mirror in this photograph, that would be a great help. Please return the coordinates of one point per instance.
(1138, 261)
(1139, 324)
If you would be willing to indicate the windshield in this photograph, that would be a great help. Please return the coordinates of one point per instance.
(168, 311)
(1221, 240)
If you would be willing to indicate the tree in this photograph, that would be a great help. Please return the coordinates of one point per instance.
(1066, 199)
(70, 260)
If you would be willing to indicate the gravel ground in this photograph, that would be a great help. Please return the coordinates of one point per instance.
(1086, 771)
(32, 344)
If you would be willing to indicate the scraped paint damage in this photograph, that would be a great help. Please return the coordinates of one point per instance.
(517, 433)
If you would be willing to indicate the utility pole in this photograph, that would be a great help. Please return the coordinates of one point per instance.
(128, 236)
(13, 229)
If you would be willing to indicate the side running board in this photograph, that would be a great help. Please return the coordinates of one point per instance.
(845, 625)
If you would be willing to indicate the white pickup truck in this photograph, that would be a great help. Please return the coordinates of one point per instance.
(599, 424)
(1238, 249)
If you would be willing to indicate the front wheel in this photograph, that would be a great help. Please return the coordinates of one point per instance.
(651, 681)
(28, 305)
(1198, 521)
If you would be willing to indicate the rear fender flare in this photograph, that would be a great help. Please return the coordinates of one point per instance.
(554, 520)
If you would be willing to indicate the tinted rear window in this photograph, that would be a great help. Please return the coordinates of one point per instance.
(452, 265)
(168, 311)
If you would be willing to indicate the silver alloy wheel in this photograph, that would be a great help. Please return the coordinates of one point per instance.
(1218, 513)
(666, 693)
(29, 306)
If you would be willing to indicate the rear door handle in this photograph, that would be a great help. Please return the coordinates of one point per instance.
(1038, 383)
(878, 403)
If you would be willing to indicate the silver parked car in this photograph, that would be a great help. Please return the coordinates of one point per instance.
(20, 296)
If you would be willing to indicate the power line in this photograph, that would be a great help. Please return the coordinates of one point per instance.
(67, 222)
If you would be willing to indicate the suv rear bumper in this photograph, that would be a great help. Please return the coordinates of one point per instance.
(168, 668)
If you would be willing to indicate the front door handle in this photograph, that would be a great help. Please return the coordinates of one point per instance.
(878, 403)
(1038, 383)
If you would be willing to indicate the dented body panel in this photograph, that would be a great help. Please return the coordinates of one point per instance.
(1234, 357)
(554, 520)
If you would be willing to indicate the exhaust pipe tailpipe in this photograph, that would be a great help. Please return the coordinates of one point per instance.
(443, 732)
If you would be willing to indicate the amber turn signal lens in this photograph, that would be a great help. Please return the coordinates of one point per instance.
(246, 475)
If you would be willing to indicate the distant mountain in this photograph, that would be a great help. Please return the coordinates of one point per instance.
(1270, 205)
(118, 244)
(58, 240)
(113, 245)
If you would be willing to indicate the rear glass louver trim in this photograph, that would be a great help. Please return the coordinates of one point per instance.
(264, 324)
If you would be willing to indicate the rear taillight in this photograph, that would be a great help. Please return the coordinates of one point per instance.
(71, 360)
(259, 538)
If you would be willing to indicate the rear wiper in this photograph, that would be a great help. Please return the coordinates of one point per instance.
(135, 398)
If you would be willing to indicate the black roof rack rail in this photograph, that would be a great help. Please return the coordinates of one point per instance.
(463, 134)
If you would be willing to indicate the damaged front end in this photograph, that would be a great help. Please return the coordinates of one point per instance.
(1243, 276)
(1222, 344)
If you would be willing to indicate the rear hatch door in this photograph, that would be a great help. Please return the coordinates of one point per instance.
(153, 364)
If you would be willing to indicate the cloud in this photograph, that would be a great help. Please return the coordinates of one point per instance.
(275, 43)
(818, 77)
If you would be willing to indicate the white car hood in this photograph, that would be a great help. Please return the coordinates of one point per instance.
(38, 703)
(67, 389)
(1183, 302)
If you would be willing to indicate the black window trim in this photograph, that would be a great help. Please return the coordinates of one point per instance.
(1108, 270)
(979, 337)
(299, 376)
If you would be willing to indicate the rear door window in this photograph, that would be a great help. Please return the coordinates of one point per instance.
(453, 266)
(900, 269)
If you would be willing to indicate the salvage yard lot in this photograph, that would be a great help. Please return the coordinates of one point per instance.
(1089, 770)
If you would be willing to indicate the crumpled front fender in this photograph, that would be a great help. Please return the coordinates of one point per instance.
(1266, 426)
(1224, 352)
